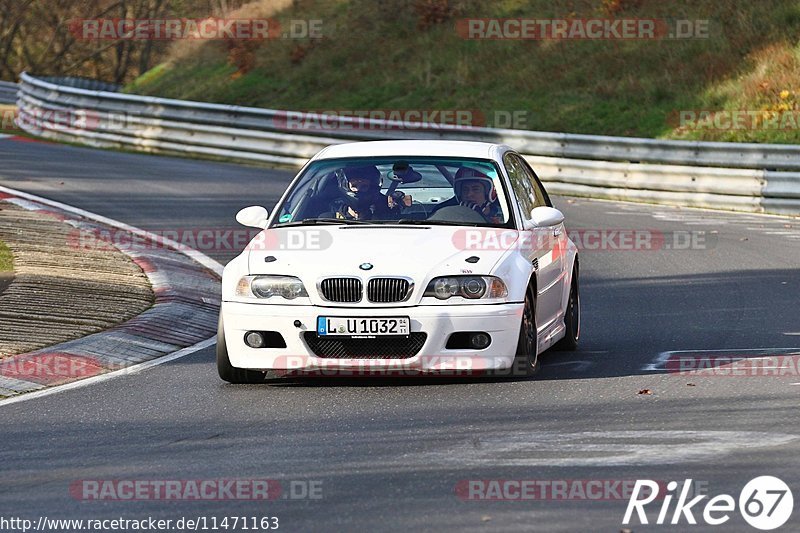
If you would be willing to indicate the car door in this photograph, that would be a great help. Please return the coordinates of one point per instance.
(547, 244)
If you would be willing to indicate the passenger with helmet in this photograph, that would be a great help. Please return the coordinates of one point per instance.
(364, 200)
(475, 190)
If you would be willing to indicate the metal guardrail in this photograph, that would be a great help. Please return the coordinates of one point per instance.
(746, 177)
(8, 92)
(82, 83)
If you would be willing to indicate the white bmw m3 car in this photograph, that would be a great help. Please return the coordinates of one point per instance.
(423, 257)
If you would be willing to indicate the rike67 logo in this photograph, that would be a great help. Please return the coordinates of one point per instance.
(765, 503)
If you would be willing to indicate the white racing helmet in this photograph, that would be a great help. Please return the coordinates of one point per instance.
(470, 173)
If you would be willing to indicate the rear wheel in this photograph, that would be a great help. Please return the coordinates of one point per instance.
(526, 358)
(572, 316)
(228, 372)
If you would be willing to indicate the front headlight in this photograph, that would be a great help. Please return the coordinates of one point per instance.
(262, 287)
(470, 287)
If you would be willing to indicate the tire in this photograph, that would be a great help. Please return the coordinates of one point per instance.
(526, 359)
(228, 372)
(572, 316)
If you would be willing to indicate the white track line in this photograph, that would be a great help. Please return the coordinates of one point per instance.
(134, 369)
(657, 364)
(678, 209)
(199, 257)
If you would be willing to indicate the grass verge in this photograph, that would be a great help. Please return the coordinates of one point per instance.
(407, 55)
(6, 258)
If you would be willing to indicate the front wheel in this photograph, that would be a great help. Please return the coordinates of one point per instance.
(572, 316)
(228, 372)
(527, 357)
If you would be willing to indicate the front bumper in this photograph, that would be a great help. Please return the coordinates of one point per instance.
(501, 321)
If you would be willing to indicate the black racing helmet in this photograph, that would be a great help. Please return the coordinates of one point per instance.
(369, 172)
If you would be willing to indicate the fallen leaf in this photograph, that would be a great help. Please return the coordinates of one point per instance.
(743, 239)
(691, 385)
(486, 518)
(645, 391)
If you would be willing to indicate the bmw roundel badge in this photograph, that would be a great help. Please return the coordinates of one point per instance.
(365, 266)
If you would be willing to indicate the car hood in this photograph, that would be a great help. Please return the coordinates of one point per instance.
(418, 252)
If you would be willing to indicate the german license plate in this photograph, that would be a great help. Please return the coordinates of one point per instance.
(363, 326)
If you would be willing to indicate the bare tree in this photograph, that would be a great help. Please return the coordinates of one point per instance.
(39, 36)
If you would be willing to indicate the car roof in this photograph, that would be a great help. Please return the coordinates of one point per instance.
(413, 148)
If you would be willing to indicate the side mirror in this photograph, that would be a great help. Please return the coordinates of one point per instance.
(543, 217)
(254, 216)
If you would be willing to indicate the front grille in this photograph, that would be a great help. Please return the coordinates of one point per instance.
(346, 290)
(386, 290)
(377, 348)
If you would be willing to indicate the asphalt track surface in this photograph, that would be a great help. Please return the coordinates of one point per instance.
(389, 454)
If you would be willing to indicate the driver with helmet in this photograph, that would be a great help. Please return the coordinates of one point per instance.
(364, 198)
(475, 190)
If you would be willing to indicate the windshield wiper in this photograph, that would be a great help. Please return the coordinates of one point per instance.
(314, 221)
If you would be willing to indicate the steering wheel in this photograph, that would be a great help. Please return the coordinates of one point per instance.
(458, 213)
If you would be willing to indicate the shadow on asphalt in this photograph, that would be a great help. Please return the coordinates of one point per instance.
(720, 311)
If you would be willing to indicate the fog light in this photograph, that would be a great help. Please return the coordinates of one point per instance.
(254, 339)
(479, 341)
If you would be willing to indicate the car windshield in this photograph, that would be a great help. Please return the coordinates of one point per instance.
(397, 190)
